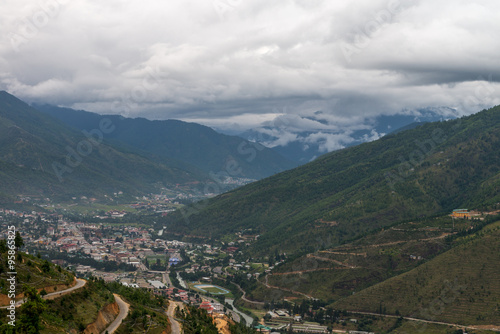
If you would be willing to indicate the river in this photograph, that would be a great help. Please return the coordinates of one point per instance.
(247, 318)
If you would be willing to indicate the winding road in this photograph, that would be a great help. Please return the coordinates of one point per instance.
(79, 284)
(53, 295)
(124, 308)
(176, 326)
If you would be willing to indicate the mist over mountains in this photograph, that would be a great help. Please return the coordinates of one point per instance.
(303, 138)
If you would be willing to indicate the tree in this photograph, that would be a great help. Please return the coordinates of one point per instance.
(3, 246)
(30, 312)
(18, 240)
(46, 266)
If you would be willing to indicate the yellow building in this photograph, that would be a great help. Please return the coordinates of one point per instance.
(460, 213)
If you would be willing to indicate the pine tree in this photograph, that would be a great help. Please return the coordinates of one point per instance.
(30, 312)
(18, 240)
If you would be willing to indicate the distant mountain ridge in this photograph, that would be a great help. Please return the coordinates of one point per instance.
(41, 156)
(190, 143)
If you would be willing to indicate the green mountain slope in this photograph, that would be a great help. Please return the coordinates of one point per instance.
(432, 169)
(40, 156)
(191, 143)
(460, 286)
(34, 272)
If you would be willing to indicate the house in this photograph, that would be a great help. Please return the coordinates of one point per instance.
(207, 306)
(282, 313)
(272, 314)
(218, 308)
(69, 248)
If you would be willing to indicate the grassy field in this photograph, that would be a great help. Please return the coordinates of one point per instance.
(152, 259)
(213, 289)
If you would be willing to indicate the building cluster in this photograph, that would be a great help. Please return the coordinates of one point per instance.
(123, 244)
(281, 320)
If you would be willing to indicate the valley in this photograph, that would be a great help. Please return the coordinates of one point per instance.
(357, 272)
(365, 239)
(250, 167)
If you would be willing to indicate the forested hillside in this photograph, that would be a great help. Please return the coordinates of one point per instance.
(421, 172)
(41, 156)
(189, 144)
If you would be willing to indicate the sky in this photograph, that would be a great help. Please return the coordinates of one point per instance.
(240, 64)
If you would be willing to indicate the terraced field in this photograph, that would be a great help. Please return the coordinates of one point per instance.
(460, 286)
(353, 267)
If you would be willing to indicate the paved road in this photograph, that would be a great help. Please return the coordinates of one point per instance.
(124, 307)
(79, 284)
(53, 295)
(176, 326)
(166, 279)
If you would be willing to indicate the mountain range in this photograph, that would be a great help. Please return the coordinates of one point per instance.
(428, 170)
(41, 156)
(367, 229)
(364, 229)
(190, 143)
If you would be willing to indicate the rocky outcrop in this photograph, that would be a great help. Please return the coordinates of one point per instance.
(104, 317)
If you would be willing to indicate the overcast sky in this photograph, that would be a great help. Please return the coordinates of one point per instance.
(245, 62)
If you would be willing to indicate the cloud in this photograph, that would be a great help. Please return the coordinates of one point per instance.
(227, 62)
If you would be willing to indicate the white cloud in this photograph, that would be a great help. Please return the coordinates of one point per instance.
(211, 61)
